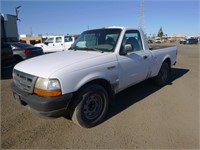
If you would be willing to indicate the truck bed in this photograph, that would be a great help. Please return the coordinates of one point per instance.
(158, 46)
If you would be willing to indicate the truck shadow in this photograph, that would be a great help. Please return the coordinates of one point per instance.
(138, 92)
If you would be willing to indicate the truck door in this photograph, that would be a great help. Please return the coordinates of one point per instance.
(49, 45)
(68, 42)
(59, 43)
(135, 65)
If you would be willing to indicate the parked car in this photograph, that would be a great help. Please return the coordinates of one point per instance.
(81, 83)
(7, 57)
(157, 40)
(150, 41)
(22, 51)
(191, 40)
(182, 41)
(56, 43)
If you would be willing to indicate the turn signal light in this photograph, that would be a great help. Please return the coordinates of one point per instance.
(49, 93)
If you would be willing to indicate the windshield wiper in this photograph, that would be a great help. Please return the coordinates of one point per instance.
(93, 49)
(87, 49)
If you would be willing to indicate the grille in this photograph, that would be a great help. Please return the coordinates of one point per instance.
(24, 81)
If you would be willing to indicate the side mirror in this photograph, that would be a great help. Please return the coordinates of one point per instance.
(46, 43)
(126, 48)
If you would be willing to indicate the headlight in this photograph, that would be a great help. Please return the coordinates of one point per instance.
(47, 87)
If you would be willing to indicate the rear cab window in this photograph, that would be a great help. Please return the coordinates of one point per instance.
(68, 39)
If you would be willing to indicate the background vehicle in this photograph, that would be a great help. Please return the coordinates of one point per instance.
(150, 41)
(190, 40)
(82, 82)
(182, 41)
(56, 43)
(157, 40)
(24, 51)
(7, 58)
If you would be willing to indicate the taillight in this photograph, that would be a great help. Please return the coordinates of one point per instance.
(26, 51)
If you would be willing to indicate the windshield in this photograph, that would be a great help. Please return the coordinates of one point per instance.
(103, 40)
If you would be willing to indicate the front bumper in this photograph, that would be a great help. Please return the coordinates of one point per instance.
(45, 106)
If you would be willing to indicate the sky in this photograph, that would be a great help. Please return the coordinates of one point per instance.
(56, 17)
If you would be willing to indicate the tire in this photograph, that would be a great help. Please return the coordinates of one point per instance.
(91, 105)
(164, 75)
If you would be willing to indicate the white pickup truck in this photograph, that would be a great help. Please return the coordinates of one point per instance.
(158, 40)
(56, 43)
(81, 83)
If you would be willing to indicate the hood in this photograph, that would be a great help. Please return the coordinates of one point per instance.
(46, 65)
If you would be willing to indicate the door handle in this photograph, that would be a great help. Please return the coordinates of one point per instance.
(145, 57)
(111, 67)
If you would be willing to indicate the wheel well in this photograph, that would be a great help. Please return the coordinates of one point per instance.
(105, 84)
(18, 56)
(168, 61)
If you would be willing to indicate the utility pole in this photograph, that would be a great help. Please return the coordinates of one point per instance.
(141, 14)
(17, 12)
(31, 31)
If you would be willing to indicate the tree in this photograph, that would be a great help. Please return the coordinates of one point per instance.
(160, 32)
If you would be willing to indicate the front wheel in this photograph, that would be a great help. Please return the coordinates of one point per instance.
(91, 106)
(164, 74)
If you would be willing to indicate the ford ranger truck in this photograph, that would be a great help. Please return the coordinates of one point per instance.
(81, 83)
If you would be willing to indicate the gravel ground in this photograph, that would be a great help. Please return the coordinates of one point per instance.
(144, 116)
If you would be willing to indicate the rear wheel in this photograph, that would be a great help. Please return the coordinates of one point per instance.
(164, 74)
(91, 106)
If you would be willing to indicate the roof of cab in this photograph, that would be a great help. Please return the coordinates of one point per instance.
(122, 27)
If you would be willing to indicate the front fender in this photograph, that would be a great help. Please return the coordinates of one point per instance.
(72, 82)
(91, 77)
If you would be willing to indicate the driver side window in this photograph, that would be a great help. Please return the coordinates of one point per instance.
(50, 40)
(133, 40)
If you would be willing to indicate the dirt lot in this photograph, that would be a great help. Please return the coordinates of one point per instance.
(144, 116)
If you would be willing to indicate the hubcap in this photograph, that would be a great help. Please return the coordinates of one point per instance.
(92, 107)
